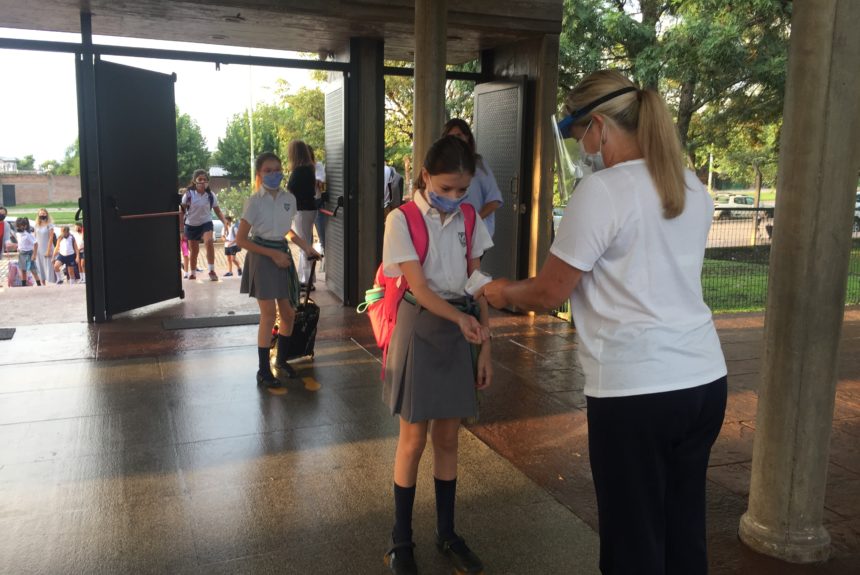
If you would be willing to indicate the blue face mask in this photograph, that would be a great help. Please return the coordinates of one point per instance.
(445, 205)
(272, 180)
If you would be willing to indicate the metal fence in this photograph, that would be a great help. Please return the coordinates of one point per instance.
(734, 275)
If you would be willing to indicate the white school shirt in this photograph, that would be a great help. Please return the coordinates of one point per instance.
(445, 265)
(67, 245)
(319, 172)
(641, 322)
(199, 211)
(230, 236)
(270, 218)
(26, 241)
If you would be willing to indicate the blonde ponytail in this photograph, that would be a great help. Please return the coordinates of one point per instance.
(659, 142)
(639, 112)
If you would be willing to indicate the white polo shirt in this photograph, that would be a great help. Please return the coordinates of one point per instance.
(641, 322)
(199, 211)
(270, 217)
(26, 241)
(67, 245)
(445, 265)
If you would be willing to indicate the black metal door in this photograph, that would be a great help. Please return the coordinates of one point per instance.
(499, 140)
(337, 242)
(8, 195)
(138, 180)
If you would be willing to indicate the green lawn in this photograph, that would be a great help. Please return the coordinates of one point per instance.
(62, 212)
(732, 286)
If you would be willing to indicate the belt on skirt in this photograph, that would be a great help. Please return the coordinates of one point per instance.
(464, 304)
(282, 245)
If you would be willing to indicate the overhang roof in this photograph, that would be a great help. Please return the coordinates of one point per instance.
(320, 26)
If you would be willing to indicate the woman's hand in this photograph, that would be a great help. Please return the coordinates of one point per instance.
(282, 259)
(485, 367)
(494, 293)
(472, 329)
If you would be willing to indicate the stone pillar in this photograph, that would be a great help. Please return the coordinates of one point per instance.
(819, 158)
(431, 28)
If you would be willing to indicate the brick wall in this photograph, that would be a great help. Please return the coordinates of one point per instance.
(43, 188)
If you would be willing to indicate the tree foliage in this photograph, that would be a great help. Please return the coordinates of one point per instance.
(27, 163)
(720, 63)
(70, 164)
(191, 151)
(299, 116)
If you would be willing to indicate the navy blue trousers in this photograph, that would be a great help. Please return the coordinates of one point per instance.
(649, 459)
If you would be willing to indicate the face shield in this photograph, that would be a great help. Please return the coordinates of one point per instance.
(569, 165)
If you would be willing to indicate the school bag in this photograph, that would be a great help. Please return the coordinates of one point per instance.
(382, 301)
(187, 199)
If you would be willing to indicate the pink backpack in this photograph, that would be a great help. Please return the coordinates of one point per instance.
(383, 300)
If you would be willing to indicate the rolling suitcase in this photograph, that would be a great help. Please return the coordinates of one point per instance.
(304, 328)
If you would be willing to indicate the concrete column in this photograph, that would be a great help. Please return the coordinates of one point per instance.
(431, 29)
(546, 105)
(819, 158)
(367, 136)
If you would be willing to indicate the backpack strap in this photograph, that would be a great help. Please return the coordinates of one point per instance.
(417, 229)
(470, 216)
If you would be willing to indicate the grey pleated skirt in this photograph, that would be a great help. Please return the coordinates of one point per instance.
(264, 280)
(429, 370)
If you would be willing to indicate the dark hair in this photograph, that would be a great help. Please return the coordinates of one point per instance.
(447, 155)
(463, 126)
(299, 154)
(22, 224)
(263, 158)
(197, 173)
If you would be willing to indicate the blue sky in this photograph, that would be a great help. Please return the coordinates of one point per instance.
(38, 100)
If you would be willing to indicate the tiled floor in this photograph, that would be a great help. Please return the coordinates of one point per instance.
(125, 447)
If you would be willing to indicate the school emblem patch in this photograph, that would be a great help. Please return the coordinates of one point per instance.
(462, 239)
(286, 206)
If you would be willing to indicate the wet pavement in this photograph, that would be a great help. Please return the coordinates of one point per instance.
(125, 447)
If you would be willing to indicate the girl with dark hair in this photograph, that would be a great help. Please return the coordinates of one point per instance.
(303, 185)
(484, 192)
(430, 374)
(629, 254)
(197, 204)
(270, 275)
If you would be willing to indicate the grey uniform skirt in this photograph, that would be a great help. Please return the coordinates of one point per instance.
(262, 279)
(429, 370)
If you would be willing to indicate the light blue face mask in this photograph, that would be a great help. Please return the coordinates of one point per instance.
(593, 161)
(444, 204)
(272, 180)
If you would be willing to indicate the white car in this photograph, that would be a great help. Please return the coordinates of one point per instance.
(723, 201)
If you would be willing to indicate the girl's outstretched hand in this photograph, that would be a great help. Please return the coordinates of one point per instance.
(485, 368)
(493, 291)
(472, 329)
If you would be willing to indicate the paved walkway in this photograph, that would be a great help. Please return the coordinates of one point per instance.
(127, 447)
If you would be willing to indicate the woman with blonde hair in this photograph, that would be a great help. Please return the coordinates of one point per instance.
(628, 255)
(46, 239)
(303, 185)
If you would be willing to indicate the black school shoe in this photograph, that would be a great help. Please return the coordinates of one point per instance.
(461, 557)
(266, 380)
(286, 370)
(400, 558)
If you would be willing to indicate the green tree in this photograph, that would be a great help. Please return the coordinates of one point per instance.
(234, 154)
(304, 117)
(191, 151)
(71, 164)
(27, 163)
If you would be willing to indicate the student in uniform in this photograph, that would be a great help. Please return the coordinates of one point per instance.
(198, 203)
(270, 275)
(629, 255)
(303, 185)
(484, 192)
(430, 375)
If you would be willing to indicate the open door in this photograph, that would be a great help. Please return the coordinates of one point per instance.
(499, 140)
(137, 191)
(338, 242)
